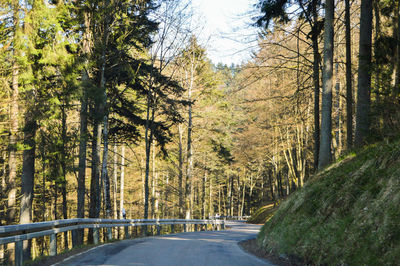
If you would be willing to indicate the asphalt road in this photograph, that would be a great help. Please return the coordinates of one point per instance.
(192, 248)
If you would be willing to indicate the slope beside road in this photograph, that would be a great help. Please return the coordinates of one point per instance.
(192, 248)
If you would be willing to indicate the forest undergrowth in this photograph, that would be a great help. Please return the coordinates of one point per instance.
(348, 214)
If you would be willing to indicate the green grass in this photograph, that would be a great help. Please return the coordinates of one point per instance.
(346, 214)
(262, 215)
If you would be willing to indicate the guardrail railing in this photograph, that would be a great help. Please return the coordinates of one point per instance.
(21, 232)
(223, 217)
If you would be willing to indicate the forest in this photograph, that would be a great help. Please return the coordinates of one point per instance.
(114, 105)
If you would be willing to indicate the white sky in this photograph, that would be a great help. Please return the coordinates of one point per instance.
(227, 33)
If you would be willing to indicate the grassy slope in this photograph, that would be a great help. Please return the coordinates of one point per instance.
(349, 213)
(262, 215)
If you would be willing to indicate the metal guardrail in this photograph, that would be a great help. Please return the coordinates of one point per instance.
(238, 218)
(18, 233)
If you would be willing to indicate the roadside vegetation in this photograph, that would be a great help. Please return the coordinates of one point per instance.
(263, 214)
(348, 214)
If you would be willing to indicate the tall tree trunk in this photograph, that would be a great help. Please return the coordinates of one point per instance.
(156, 213)
(83, 135)
(104, 171)
(316, 60)
(43, 159)
(396, 89)
(210, 200)
(243, 198)
(115, 187)
(122, 182)
(230, 196)
(14, 110)
(166, 193)
(238, 195)
(104, 111)
(180, 176)
(219, 198)
(28, 175)
(189, 167)
(325, 156)
(94, 210)
(338, 130)
(203, 195)
(12, 160)
(64, 168)
(94, 197)
(115, 181)
(349, 78)
(153, 185)
(364, 75)
(148, 140)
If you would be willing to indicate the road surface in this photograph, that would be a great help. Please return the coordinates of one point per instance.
(191, 248)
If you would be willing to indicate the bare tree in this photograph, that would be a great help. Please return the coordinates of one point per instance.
(325, 155)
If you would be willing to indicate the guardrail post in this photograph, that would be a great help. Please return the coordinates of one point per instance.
(195, 227)
(144, 230)
(53, 245)
(109, 233)
(74, 234)
(223, 225)
(205, 227)
(18, 253)
(172, 229)
(96, 236)
(158, 229)
(126, 231)
(184, 228)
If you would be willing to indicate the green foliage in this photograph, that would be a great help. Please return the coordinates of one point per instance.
(272, 9)
(347, 214)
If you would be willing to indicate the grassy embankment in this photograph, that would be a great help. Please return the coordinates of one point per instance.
(347, 214)
(262, 215)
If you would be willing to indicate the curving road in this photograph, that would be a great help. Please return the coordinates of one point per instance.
(192, 248)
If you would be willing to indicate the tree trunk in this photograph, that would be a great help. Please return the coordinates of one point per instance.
(203, 195)
(83, 136)
(349, 78)
(210, 201)
(115, 181)
(82, 161)
(104, 111)
(316, 61)
(104, 171)
(243, 198)
(180, 177)
(396, 89)
(94, 209)
(238, 195)
(12, 156)
(189, 168)
(166, 193)
(148, 141)
(64, 169)
(14, 110)
(364, 75)
(155, 185)
(122, 182)
(326, 122)
(28, 174)
(338, 110)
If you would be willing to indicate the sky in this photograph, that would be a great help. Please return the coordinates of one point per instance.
(227, 33)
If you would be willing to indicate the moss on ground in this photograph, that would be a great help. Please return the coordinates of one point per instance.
(347, 214)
